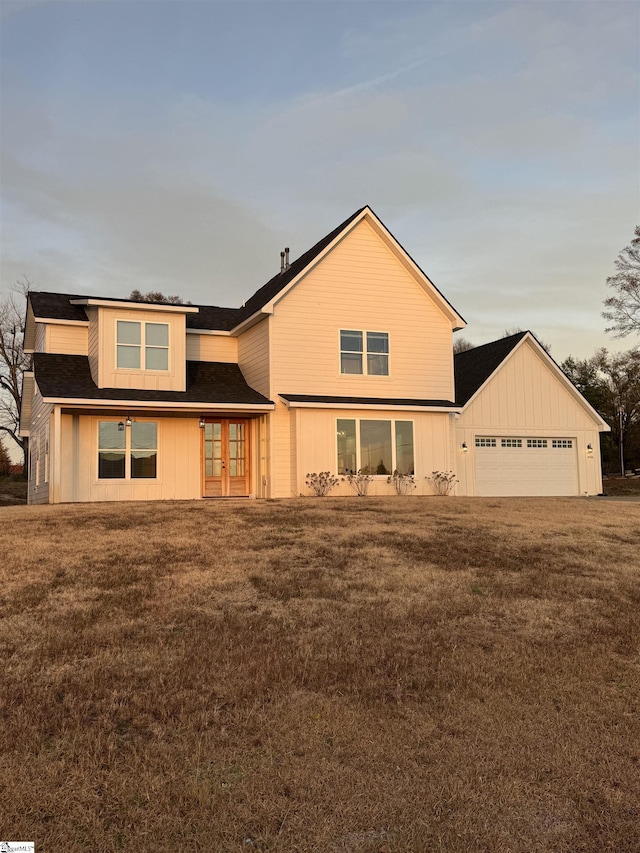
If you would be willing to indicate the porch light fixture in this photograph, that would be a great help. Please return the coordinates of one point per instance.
(589, 449)
(201, 424)
(121, 426)
(463, 447)
(128, 421)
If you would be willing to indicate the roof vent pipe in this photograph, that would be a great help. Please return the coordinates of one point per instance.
(286, 257)
(281, 262)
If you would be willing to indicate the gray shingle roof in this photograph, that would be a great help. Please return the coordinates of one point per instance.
(366, 401)
(69, 376)
(474, 366)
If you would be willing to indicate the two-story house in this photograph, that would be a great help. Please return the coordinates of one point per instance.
(343, 361)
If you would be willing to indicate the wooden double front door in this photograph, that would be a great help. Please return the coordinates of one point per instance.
(225, 458)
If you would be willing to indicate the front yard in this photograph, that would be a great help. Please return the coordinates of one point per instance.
(402, 674)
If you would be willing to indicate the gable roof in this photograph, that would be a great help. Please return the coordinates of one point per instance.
(57, 306)
(281, 282)
(273, 287)
(474, 366)
(69, 377)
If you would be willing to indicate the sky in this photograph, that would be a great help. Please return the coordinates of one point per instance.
(180, 146)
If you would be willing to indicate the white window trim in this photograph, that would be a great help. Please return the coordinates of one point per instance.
(394, 461)
(142, 347)
(127, 453)
(365, 352)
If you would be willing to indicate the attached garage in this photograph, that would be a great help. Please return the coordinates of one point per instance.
(523, 429)
(520, 466)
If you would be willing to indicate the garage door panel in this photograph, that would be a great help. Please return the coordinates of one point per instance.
(526, 471)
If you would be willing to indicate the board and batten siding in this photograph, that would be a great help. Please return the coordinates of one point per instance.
(361, 285)
(110, 376)
(69, 340)
(212, 348)
(526, 399)
(179, 473)
(39, 451)
(316, 433)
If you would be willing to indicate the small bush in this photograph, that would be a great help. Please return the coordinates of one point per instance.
(359, 482)
(443, 482)
(402, 483)
(322, 483)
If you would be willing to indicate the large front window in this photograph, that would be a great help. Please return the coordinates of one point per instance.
(375, 446)
(364, 352)
(127, 452)
(142, 346)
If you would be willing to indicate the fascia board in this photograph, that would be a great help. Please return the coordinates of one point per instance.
(55, 322)
(216, 332)
(136, 306)
(149, 404)
(368, 407)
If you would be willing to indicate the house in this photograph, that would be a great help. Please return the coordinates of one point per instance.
(342, 361)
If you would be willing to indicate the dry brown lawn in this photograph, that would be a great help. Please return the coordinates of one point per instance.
(376, 674)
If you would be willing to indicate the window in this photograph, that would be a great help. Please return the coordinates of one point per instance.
(485, 442)
(510, 442)
(142, 345)
(375, 446)
(354, 359)
(561, 443)
(536, 442)
(127, 452)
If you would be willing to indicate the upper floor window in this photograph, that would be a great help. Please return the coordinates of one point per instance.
(142, 346)
(355, 358)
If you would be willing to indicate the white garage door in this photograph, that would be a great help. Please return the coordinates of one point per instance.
(526, 466)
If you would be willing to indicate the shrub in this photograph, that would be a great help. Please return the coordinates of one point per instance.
(322, 483)
(359, 482)
(402, 483)
(442, 482)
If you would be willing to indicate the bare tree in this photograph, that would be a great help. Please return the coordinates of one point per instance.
(462, 345)
(623, 308)
(13, 363)
(516, 330)
(611, 383)
(156, 296)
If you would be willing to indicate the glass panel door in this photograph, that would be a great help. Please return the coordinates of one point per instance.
(225, 458)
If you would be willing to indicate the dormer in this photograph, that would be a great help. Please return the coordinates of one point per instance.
(137, 344)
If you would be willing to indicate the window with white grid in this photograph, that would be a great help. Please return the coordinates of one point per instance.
(536, 442)
(562, 442)
(485, 442)
(510, 442)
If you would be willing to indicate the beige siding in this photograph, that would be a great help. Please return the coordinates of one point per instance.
(39, 451)
(316, 448)
(28, 388)
(212, 348)
(361, 285)
(109, 376)
(94, 341)
(179, 475)
(253, 357)
(41, 338)
(72, 340)
(526, 398)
